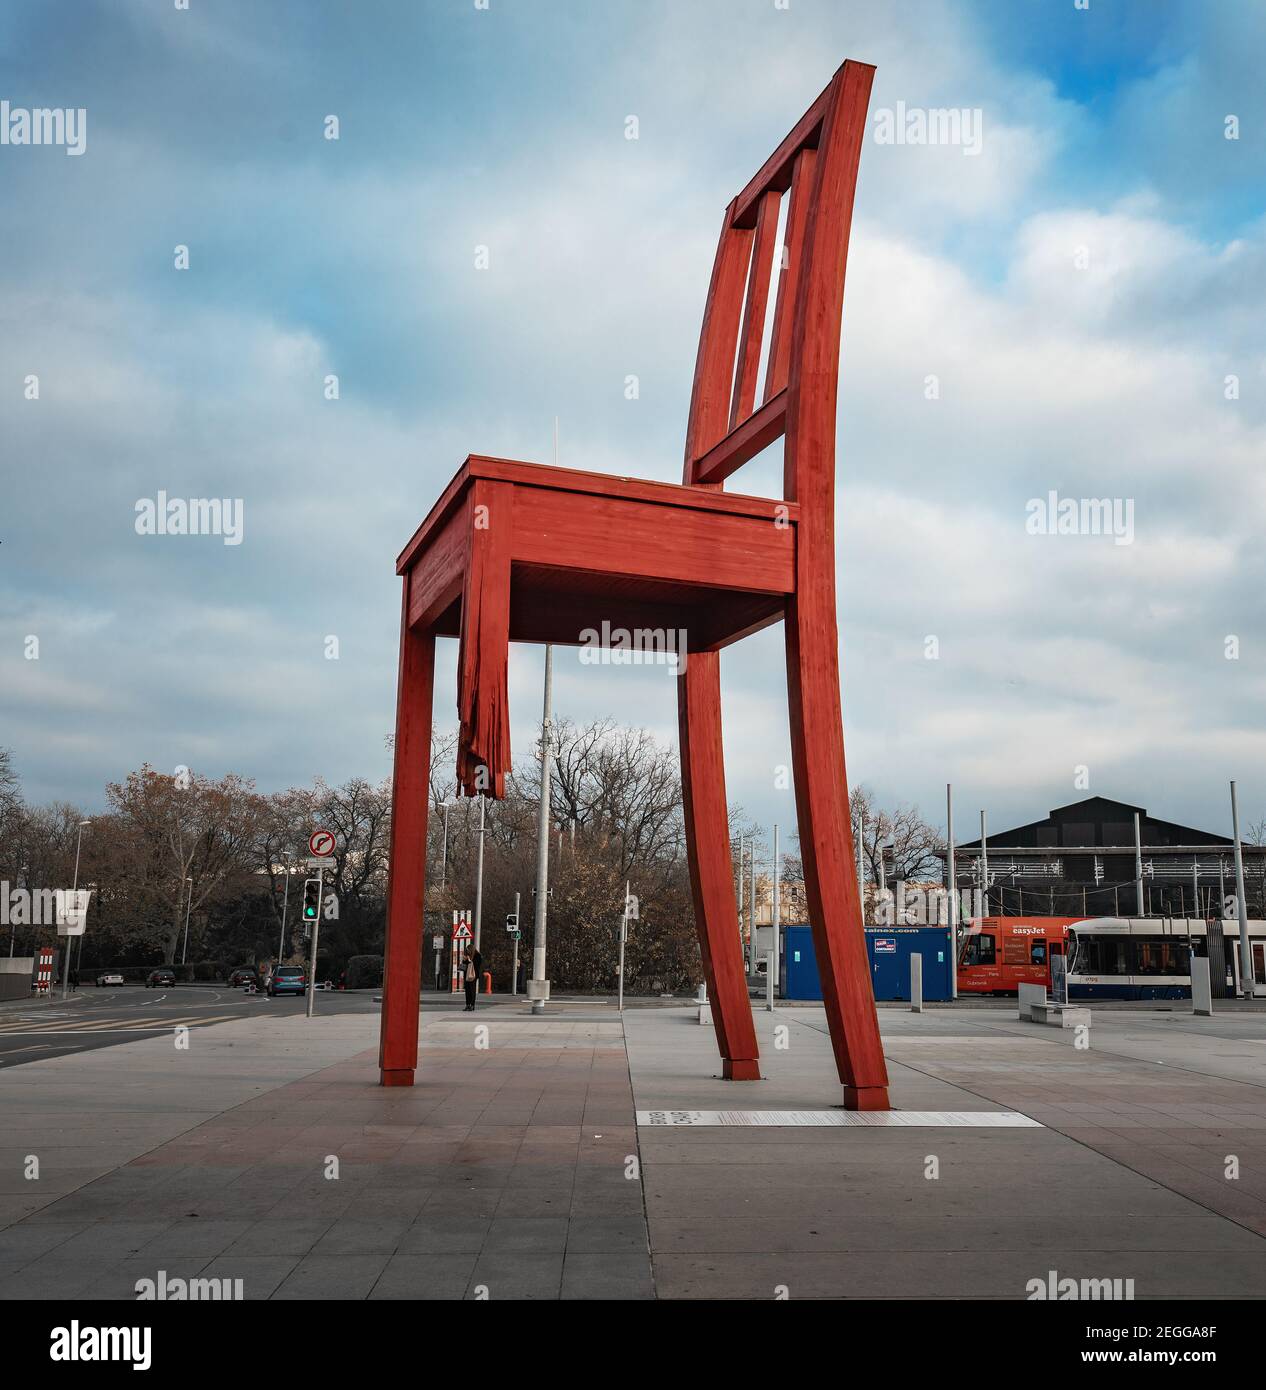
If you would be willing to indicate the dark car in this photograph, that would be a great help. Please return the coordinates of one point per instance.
(287, 979)
(156, 978)
(244, 976)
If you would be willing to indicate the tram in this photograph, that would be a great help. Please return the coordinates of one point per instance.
(1108, 957)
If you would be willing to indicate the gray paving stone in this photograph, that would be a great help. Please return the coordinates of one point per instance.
(288, 1236)
(603, 1276)
(261, 1275)
(187, 1238)
(444, 1233)
(517, 1274)
(362, 1237)
(332, 1276)
(605, 1234)
(539, 1233)
(423, 1277)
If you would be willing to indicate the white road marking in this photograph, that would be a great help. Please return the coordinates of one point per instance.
(875, 1119)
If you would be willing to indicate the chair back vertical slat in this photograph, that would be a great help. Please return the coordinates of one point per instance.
(814, 368)
(789, 272)
(714, 366)
(816, 167)
(752, 337)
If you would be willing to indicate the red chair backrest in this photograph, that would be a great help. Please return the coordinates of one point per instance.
(817, 162)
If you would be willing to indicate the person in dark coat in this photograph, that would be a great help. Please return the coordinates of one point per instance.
(472, 968)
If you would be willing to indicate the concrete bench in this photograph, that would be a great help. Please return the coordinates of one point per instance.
(1059, 1015)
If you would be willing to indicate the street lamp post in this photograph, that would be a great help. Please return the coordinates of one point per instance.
(1241, 902)
(538, 986)
(951, 881)
(74, 897)
(184, 950)
(479, 873)
(25, 871)
(285, 899)
(775, 911)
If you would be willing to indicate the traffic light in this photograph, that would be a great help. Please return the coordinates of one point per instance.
(311, 899)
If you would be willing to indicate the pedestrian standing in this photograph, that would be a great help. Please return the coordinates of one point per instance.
(470, 977)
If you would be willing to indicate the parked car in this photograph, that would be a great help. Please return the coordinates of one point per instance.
(287, 979)
(161, 976)
(243, 976)
(109, 977)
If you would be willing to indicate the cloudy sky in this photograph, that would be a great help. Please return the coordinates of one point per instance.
(1081, 289)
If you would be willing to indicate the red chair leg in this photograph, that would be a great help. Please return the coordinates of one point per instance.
(711, 869)
(826, 848)
(406, 887)
(483, 737)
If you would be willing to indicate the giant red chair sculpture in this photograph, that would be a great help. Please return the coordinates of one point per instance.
(520, 551)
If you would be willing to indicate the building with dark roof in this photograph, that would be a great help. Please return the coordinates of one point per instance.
(1082, 860)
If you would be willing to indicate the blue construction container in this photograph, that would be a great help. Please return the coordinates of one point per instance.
(889, 950)
(799, 976)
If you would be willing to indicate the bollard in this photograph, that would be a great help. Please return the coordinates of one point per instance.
(916, 983)
(1201, 993)
(487, 981)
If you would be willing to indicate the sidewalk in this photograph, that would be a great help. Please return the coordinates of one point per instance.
(1125, 1178)
(506, 1168)
(516, 1168)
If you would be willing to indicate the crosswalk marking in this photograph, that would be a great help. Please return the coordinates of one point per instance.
(22, 1028)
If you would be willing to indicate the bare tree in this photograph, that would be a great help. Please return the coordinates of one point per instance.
(196, 836)
(911, 844)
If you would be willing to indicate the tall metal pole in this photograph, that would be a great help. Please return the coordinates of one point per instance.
(538, 989)
(624, 930)
(984, 862)
(514, 969)
(74, 897)
(751, 943)
(1241, 903)
(952, 880)
(444, 850)
(13, 926)
(1195, 912)
(861, 865)
(775, 913)
(285, 898)
(1138, 864)
(316, 931)
(751, 906)
(184, 950)
(479, 873)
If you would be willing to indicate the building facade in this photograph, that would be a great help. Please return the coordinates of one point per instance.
(1082, 860)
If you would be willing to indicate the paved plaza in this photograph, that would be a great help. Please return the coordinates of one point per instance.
(517, 1168)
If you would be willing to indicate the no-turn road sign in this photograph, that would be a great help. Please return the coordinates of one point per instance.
(321, 843)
